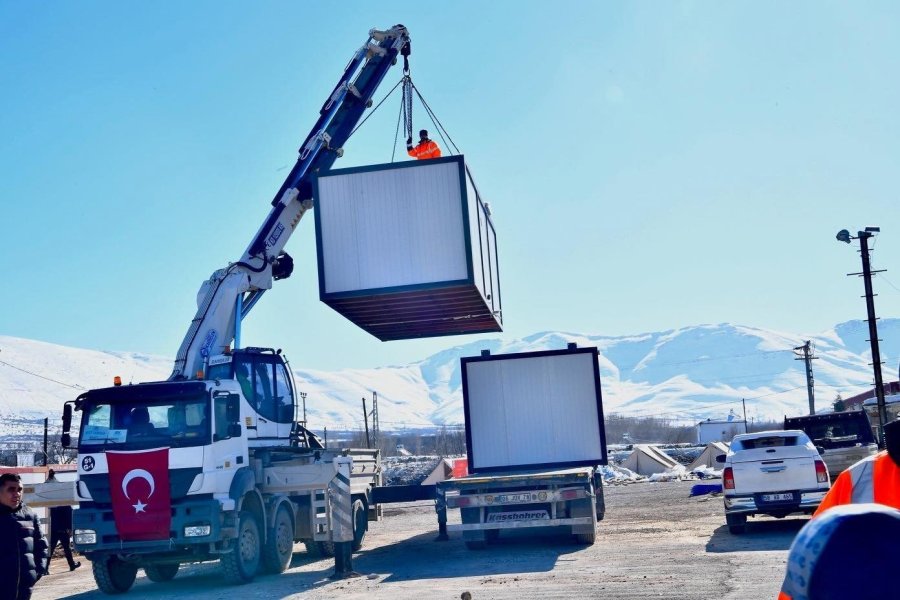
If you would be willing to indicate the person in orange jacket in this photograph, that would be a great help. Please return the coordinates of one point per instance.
(424, 149)
(847, 553)
(873, 479)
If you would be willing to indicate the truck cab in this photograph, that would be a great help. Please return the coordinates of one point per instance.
(842, 438)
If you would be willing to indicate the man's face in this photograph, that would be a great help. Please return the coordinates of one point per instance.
(11, 494)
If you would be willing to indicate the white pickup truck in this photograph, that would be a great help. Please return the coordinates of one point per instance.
(774, 473)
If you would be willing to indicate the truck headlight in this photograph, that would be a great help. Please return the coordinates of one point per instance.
(85, 537)
(197, 530)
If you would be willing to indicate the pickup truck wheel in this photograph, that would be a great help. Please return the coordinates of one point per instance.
(114, 576)
(279, 548)
(161, 573)
(737, 524)
(240, 565)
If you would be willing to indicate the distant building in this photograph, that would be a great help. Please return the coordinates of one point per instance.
(856, 402)
(719, 431)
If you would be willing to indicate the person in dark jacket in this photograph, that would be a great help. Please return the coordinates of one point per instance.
(23, 548)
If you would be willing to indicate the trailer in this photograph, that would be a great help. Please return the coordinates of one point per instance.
(535, 439)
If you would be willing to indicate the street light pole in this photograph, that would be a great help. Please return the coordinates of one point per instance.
(863, 237)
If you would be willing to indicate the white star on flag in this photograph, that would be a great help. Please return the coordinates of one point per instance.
(139, 507)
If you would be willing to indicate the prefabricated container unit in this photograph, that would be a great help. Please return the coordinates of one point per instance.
(407, 250)
(533, 410)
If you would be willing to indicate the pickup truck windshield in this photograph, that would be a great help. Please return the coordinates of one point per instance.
(135, 426)
(767, 442)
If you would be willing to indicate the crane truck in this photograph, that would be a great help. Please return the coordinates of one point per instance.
(212, 464)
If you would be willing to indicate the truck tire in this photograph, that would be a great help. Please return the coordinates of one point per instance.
(600, 501)
(737, 524)
(279, 548)
(360, 523)
(114, 576)
(319, 550)
(587, 539)
(240, 565)
(161, 573)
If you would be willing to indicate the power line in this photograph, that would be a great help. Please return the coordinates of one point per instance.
(33, 374)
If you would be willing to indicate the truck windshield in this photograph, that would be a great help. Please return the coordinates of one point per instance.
(151, 424)
(837, 434)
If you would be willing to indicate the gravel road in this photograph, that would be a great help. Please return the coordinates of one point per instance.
(655, 542)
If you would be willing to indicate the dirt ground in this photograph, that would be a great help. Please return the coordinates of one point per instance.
(656, 542)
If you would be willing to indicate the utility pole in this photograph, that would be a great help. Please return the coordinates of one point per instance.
(46, 422)
(303, 397)
(863, 237)
(807, 357)
(376, 428)
(366, 420)
(744, 404)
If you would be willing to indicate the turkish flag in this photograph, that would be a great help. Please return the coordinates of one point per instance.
(139, 486)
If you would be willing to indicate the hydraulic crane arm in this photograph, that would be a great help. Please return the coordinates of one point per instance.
(230, 293)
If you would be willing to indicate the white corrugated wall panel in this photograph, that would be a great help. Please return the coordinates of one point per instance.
(392, 227)
(533, 410)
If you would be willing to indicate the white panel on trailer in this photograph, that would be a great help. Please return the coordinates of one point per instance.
(533, 409)
(389, 228)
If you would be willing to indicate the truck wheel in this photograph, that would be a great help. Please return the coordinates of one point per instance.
(360, 523)
(161, 573)
(240, 565)
(320, 549)
(279, 548)
(600, 501)
(737, 524)
(114, 576)
(587, 539)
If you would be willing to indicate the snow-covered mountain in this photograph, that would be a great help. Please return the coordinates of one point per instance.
(690, 374)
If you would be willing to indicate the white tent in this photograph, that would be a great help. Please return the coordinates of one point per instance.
(648, 460)
(707, 458)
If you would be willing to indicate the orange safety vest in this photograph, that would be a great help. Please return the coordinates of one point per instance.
(424, 150)
(873, 479)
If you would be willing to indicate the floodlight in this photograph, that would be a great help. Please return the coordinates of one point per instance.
(843, 236)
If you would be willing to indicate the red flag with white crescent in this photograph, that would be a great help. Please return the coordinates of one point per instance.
(139, 486)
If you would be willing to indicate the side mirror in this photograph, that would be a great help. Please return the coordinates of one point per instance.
(720, 458)
(234, 430)
(820, 450)
(66, 438)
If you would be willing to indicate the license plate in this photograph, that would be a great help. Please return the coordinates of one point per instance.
(786, 497)
(513, 498)
(519, 515)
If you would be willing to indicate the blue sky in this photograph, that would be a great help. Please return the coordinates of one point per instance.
(649, 165)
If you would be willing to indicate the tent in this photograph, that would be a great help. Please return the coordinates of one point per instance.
(707, 458)
(648, 460)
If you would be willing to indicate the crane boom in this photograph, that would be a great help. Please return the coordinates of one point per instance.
(230, 293)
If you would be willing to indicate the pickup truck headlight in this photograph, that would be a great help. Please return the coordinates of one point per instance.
(85, 537)
(197, 530)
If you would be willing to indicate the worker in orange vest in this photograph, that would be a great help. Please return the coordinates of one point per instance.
(873, 479)
(424, 149)
(847, 553)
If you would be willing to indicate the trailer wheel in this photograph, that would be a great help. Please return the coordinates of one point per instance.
(114, 576)
(279, 548)
(587, 539)
(161, 573)
(240, 565)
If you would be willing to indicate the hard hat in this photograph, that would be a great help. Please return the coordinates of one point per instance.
(848, 551)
